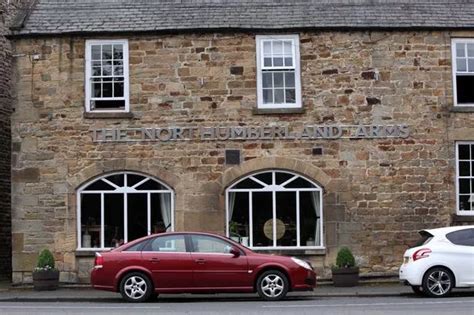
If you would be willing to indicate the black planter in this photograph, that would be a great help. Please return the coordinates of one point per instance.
(45, 280)
(345, 277)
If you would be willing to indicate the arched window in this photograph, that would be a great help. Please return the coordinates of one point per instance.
(275, 210)
(120, 207)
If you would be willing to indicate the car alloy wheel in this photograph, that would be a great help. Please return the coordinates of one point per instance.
(272, 285)
(438, 282)
(135, 287)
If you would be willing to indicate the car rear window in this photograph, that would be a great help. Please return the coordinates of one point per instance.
(425, 238)
(462, 237)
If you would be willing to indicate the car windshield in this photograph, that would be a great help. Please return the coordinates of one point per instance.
(424, 238)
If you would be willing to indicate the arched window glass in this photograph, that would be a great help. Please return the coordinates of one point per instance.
(120, 207)
(275, 210)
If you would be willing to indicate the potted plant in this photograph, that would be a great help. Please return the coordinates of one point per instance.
(45, 276)
(234, 231)
(345, 273)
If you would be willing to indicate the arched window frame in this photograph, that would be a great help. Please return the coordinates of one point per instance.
(120, 190)
(274, 188)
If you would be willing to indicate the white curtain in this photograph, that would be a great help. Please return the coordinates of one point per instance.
(231, 207)
(317, 208)
(165, 205)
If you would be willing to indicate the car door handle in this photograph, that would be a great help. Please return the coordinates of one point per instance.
(154, 260)
(200, 261)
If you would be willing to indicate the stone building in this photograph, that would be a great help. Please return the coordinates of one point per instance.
(293, 128)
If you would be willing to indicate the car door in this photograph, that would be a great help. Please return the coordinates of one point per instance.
(463, 255)
(169, 262)
(215, 267)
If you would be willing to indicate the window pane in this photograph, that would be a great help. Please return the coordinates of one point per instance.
(461, 64)
(277, 47)
(137, 218)
(278, 79)
(96, 71)
(472, 169)
(267, 81)
(299, 183)
(113, 220)
(95, 52)
(267, 62)
(267, 96)
(460, 50)
(278, 62)
(248, 183)
(310, 222)
(208, 244)
(117, 179)
(118, 89)
(133, 179)
(161, 212)
(288, 48)
(279, 96)
(90, 220)
(288, 62)
(470, 65)
(282, 177)
(99, 185)
(289, 79)
(106, 70)
(286, 213)
(167, 244)
(118, 70)
(96, 90)
(262, 219)
(151, 185)
(465, 92)
(463, 150)
(464, 186)
(107, 90)
(464, 169)
(290, 96)
(464, 203)
(238, 205)
(265, 177)
(107, 52)
(267, 48)
(113, 104)
(118, 52)
(470, 50)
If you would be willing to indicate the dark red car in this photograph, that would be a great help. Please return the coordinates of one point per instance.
(197, 263)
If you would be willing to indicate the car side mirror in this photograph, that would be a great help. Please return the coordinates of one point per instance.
(235, 251)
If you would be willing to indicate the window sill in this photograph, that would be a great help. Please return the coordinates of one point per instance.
(266, 111)
(86, 253)
(462, 109)
(106, 115)
(465, 218)
(294, 252)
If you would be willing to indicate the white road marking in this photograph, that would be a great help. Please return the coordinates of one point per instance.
(368, 304)
(76, 307)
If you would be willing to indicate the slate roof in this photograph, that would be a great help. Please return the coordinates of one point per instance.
(105, 16)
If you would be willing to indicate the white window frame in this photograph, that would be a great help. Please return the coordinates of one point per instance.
(274, 189)
(119, 190)
(464, 212)
(455, 41)
(260, 67)
(87, 83)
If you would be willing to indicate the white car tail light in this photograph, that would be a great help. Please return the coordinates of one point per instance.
(421, 253)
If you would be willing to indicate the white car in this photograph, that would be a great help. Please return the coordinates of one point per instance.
(441, 260)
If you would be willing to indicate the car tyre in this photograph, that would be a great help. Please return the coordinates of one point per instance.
(438, 282)
(272, 285)
(136, 287)
(418, 290)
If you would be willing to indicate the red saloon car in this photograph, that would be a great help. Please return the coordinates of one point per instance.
(183, 262)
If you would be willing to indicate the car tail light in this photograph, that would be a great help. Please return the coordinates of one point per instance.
(99, 261)
(421, 253)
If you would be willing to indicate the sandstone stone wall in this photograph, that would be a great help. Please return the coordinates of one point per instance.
(377, 192)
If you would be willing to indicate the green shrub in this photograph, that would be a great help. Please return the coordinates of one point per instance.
(345, 259)
(45, 260)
